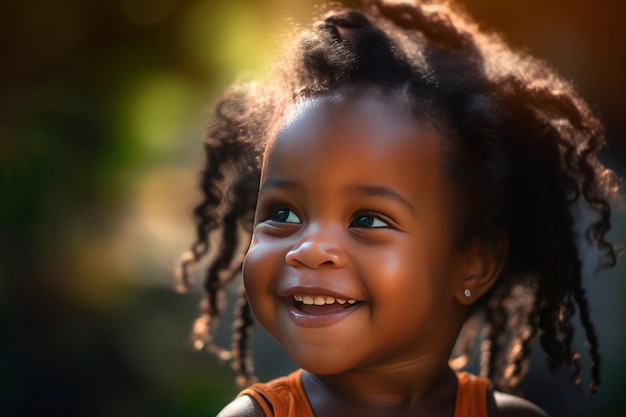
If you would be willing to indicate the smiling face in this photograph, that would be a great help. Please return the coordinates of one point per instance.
(352, 264)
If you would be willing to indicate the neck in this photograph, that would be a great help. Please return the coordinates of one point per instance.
(409, 388)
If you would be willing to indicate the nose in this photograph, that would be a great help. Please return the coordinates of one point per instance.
(316, 251)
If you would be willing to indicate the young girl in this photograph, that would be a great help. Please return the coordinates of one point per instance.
(403, 179)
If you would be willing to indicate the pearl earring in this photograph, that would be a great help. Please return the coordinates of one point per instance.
(467, 293)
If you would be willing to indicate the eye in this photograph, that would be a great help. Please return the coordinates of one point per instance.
(284, 216)
(368, 221)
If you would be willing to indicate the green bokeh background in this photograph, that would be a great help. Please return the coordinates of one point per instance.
(103, 106)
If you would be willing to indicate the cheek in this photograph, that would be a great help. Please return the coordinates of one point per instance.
(254, 265)
(415, 277)
(260, 267)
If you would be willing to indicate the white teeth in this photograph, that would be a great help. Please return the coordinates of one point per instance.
(320, 300)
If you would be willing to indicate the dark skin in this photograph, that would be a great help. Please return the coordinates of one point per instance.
(355, 206)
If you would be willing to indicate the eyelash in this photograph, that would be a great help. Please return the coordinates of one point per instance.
(373, 217)
(270, 209)
(274, 213)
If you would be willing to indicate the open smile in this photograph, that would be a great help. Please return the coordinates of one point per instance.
(320, 300)
(319, 310)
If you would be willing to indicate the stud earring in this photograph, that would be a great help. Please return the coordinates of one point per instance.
(467, 293)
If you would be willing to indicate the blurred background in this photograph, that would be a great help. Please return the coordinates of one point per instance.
(103, 105)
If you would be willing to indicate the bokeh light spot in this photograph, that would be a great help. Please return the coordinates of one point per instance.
(159, 112)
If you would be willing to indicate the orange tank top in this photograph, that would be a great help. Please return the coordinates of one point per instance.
(285, 397)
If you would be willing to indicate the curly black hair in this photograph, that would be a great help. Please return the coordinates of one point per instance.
(522, 158)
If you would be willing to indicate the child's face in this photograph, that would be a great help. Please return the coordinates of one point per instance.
(354, 205)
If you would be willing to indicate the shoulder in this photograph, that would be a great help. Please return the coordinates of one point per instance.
(501, 404)
(244, 406)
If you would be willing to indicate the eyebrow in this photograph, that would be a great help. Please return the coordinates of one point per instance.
(278, 183)
(362, 189)
(378, 191)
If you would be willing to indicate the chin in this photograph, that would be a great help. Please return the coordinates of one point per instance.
(319, 363)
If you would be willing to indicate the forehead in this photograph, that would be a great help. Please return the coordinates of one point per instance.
(333, 143)
(381, 110)
(375, 122)
(384, 111)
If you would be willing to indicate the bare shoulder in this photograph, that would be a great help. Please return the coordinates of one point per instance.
(507, 405)
(244, 406)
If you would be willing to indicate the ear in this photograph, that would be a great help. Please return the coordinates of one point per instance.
(482, 267)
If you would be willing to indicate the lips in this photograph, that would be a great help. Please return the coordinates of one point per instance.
(310, 308)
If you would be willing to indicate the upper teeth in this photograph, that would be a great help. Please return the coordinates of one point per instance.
(320, 300)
